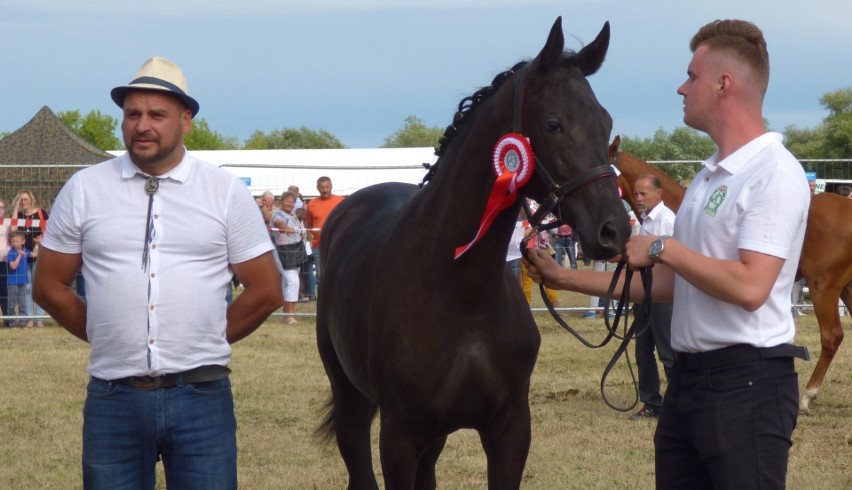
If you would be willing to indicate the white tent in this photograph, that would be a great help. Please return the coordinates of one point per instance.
(349, 169)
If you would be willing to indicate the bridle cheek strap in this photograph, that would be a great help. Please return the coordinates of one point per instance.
(555, 193)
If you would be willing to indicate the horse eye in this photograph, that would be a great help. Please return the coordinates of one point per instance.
(553, 126)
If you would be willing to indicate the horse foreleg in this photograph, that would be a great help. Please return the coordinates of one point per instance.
(400, 448)
(425, 478)
(507, 446)
(831, 336)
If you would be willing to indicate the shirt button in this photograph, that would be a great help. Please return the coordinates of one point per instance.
(153, 246)
(151, 307)
(706, 179)
(151, 341)
(153, 274)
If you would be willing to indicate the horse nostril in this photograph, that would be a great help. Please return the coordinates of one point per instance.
(612, 238)
(608, 234)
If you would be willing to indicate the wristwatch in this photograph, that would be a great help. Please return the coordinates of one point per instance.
(657, 247)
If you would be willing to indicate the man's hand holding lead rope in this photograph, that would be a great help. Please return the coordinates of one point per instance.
(544, 270)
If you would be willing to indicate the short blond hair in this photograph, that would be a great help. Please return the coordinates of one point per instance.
(740, 39)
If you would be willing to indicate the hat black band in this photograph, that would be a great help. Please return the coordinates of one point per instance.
(160, 82)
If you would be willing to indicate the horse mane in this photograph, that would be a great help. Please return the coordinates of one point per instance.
(469, 104)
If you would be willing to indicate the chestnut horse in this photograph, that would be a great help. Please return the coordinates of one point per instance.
(825, 263)
(437, 342)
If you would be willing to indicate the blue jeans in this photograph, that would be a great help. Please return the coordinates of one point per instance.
(191, 427)
(4, 289)
(32, 308)
(317, 266)
(562, 245)
(515, 266)
(18, 303)
(80, 285)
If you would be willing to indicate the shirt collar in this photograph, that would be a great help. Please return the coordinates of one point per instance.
(737, 160)
(178, 174)
(654, 213)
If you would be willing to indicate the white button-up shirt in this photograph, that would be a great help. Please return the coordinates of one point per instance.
(658, 221)
(168, 316)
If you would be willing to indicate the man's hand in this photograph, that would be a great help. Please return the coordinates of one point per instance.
(636, 251)
(542, 268)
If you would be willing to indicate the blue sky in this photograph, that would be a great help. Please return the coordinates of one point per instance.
(359, 68)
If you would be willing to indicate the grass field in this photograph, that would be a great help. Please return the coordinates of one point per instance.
(279, 385)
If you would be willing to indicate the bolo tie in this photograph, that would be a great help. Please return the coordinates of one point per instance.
(151, 187)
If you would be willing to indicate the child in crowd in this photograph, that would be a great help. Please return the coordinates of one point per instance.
(17, 279)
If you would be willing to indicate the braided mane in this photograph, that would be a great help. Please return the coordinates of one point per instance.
(466, 106)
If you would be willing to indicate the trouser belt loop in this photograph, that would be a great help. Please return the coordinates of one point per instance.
(736, 354)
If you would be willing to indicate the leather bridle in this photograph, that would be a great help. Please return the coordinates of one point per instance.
(555, 194)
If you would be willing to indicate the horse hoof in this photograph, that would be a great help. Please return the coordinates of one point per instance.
(804, 403)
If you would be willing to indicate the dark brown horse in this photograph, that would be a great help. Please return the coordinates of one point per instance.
(435, 343)
(825, 263)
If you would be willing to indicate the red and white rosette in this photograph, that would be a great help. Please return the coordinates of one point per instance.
(513, 163)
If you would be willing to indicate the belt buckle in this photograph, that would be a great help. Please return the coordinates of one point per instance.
(145, 382)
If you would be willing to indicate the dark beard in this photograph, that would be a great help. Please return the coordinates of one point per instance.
(152, 160)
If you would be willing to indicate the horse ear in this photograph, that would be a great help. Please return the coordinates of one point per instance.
(550, 55)
(591, 57)
(613, 147)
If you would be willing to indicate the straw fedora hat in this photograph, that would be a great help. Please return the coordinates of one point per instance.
(158, 74)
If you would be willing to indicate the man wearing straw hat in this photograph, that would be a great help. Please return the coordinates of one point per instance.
(157, 263)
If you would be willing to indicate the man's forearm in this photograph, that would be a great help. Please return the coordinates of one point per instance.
(249, 310)
(66, 308)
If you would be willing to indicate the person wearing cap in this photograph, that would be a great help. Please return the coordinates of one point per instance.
(157, 263)
(731, 405)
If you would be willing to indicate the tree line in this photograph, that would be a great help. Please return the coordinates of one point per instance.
(99, 129)
(832, 138)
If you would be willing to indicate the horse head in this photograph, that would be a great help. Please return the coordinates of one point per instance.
(568, 130)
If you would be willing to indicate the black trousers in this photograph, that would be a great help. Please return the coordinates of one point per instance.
(657, 337)
(727, 427)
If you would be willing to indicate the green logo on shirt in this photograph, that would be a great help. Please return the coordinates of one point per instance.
(716, 200)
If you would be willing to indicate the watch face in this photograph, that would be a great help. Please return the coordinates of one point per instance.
(656, 248)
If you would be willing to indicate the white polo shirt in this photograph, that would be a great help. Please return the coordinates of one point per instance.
(756, 199)
(170, 316)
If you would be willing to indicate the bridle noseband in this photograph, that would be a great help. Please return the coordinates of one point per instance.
(555, 192)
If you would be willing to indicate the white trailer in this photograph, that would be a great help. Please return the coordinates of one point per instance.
(350, 169)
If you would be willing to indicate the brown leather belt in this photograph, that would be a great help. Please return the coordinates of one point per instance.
(201, 374)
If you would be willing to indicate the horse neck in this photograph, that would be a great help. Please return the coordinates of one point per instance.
(454, 201)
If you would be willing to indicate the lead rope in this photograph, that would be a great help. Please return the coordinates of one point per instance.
(612, 328)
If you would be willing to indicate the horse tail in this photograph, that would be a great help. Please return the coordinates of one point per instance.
(331, 413)
(326, 430)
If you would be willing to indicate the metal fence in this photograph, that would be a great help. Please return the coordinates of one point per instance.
(45, 181)
(830, 170)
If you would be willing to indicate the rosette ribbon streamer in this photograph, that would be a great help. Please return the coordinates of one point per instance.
(513, 163)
